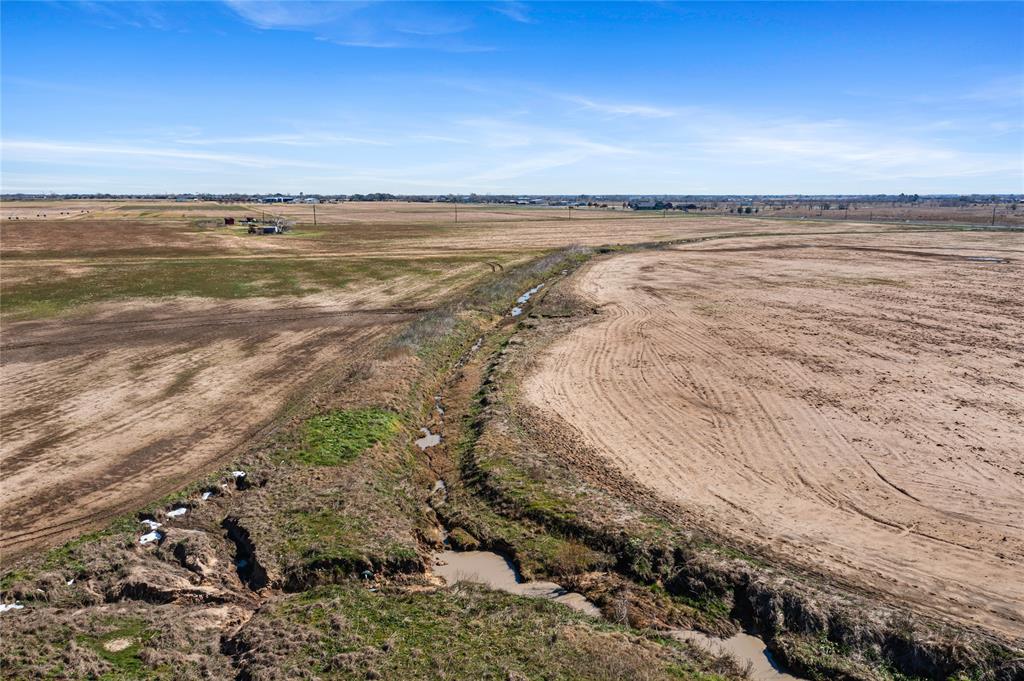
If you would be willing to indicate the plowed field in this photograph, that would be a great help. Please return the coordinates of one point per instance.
(853, 406)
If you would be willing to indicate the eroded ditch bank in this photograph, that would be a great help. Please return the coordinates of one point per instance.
(526, 472)
(498, 572)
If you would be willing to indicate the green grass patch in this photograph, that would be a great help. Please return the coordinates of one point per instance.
(533, 497)
(468, 633)
(120, 648)
(66, 556)
(326, 535)
(178, 207)
(210, 277)
(340, 436)
(340, 543)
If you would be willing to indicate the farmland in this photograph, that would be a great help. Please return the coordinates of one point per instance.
(848, 408)
(149, 339)
(805, 428)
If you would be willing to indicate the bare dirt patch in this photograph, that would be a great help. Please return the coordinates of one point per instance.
(101, 414)
(854, 411)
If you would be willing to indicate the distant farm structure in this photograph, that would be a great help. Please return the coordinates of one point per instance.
(278, 226)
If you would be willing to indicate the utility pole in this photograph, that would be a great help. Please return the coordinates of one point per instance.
(993, 215)
(456, 210)
(314, 215)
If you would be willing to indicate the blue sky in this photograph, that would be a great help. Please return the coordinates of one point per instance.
(511, 97)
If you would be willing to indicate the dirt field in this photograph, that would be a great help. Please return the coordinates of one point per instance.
(852, 406)
(103, 414)
(932, 210)
(142, 343)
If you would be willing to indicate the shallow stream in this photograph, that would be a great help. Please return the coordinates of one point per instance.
(499, 573)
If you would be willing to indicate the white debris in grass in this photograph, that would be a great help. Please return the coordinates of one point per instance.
(207, 495)
(155, 535)
(181, 510)
(151, 524)
(70, 581)
(516, 311)
(4, 607)
(238, 474)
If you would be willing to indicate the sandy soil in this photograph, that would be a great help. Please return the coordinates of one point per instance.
(852, 406)
(103, 413)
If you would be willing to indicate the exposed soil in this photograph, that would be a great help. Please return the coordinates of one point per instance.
(102, 414)
(118, 402)
(857, 412)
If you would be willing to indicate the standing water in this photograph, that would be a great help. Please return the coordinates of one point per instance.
(428, 440)
(499, 573)
(746, 648)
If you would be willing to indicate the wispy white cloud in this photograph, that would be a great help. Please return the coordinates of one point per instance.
(845, 149)
(525, 139)
(285, 139)
(1005, 90)
(621, 109)
(504, 133)
(519, 149)
(268, 14)
(445, 139)
(516, 11)
(56, 150)
(130, 14)
(365, 24)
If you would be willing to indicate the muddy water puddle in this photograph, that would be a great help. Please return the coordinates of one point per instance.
(748, 649)
(524, 299)
(497, 572)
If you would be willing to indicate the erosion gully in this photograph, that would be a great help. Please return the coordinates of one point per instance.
(498, 572)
